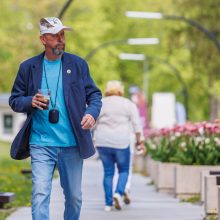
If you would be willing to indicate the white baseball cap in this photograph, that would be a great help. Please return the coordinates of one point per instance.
(51, 25)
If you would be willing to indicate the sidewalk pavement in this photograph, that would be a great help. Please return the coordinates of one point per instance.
(146, 203)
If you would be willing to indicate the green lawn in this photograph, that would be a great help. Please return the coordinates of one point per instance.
(4, 150)
(11, 180)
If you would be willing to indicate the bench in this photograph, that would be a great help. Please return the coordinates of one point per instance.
(6, 197)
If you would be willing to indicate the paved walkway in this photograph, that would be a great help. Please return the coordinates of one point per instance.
(146, 203)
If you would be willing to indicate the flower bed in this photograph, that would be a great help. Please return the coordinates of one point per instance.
(190, 144)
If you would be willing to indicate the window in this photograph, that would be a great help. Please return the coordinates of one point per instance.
(8, 124)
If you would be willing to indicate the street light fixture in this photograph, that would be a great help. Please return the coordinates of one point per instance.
(158, 15)
(148, 15)
(178, 77)
(130, 41)
(142, 41)
(138, 57)
(131, 56)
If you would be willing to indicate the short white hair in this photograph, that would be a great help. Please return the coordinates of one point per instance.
(114, 87)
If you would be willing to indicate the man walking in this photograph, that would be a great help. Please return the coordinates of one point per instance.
(56, 131)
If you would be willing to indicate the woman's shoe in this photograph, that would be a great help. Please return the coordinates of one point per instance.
(108, 208)
(118, 201)
(127, 199)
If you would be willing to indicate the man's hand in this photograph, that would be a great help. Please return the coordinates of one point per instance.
(87, 121)
(39, 102)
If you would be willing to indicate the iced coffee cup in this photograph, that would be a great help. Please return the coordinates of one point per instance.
(45, 98)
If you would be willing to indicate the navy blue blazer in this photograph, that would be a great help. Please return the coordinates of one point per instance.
(80, 93)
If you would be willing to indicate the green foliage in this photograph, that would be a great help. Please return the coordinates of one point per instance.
(11, 180)
(191, 144)
(3, 215)
(95, 22)
(199, 151)
(194, 199)
(4, 150)
(161, 148)
(212, 217)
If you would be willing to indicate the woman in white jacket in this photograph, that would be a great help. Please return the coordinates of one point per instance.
(112, 138)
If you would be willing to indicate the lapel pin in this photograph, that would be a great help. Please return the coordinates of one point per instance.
(68, 71)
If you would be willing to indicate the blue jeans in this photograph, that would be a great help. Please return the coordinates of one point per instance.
(110, 157)
(69, 164)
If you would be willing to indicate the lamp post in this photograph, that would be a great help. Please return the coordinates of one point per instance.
(158, 15)
(64, 8)
(138, 57)
(146, 59)
(179, 78)
(130, 41)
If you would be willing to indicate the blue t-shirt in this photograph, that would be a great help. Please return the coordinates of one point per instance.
(43, 132)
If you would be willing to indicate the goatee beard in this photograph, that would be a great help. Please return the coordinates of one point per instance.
(58, 51)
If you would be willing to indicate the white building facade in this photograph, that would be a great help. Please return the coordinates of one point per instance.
(10, 122)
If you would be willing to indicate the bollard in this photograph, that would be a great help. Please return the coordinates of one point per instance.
(218, 184)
